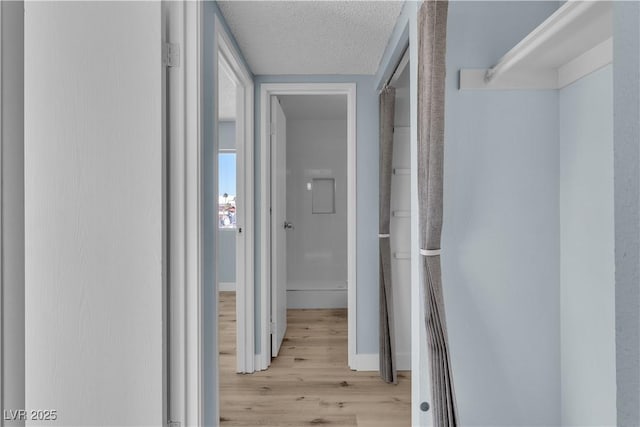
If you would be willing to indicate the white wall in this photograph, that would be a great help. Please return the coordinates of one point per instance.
(94, 212)
(317, 247)
(587, 276)
(500, 260)
(12, 310)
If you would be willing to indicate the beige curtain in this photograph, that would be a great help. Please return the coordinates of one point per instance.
(387, 337)
(432, 27)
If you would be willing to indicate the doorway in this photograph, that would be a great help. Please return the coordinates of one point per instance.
(309, 208)
(227, 224)
(287, 278)
(234, 205)
(196, 385)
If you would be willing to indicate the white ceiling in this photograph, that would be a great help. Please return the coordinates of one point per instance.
(226, 94)
(314, 107)
(312, 37)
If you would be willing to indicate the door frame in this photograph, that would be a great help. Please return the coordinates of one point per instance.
(192, 373)
(225, 51)
(185, 380)
(2, 404)
(407, 42)
(267, 90)
(280, 235)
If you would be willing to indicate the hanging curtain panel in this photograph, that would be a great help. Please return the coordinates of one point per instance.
(432, 22)
(387, 337)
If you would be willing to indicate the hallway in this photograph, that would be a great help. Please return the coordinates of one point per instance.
(309, 383)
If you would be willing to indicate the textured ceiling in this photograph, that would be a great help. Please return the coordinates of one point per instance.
(312, 37)
(314, 107)
(227, 94)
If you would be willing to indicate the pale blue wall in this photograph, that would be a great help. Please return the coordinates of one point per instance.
(367, 200)
(587, 285)
(501, 225)
(626, 143)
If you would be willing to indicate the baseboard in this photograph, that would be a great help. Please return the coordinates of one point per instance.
(316, 285)
(365, 362)
(226, 286)
(330, 298)
(371, 362)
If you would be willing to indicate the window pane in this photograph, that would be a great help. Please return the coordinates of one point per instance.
(227, 188)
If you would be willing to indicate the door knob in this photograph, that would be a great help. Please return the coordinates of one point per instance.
(288, 225)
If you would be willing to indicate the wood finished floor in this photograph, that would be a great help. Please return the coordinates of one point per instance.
(309, 382)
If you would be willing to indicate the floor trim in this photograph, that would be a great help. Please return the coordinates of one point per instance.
(371, 362)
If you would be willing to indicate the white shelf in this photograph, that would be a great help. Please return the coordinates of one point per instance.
(401, 171)
(573, 42)
(402, 255)
(402, 214)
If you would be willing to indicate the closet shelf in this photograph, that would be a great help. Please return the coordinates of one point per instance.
(572, 43)
(402, 214)
(402, 255)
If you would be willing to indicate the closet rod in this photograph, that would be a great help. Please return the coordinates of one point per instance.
(400, 67)
(555, 23)
(395, 75)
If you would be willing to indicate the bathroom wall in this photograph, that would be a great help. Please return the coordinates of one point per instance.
(317, 246)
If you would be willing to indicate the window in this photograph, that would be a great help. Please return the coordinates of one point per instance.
(227, 189)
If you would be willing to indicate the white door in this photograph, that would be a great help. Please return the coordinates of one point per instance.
(279, 225)
(94, 189)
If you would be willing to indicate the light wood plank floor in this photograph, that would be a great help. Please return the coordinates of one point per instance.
(309, 382)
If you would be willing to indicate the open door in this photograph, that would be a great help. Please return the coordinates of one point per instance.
(279, 225)
(94, 213)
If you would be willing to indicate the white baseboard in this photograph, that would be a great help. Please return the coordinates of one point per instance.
(371, 362)
(226, 286)
(365, 362)
(330, 298)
